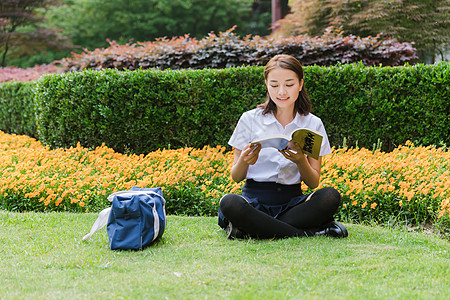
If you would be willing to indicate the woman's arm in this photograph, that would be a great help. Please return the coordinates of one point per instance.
(308, 167)
(242, 159)
(310, 171)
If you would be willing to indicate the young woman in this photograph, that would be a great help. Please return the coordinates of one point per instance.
(272, 204)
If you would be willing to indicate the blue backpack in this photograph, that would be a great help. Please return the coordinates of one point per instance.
(135, 219)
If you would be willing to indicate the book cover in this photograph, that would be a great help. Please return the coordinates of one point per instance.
(309, 141)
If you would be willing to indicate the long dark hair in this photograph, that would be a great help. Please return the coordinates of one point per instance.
(302, 104)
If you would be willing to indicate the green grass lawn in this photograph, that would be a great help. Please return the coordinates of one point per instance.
(42, 256)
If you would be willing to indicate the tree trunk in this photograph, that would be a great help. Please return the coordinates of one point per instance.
(280, 8)
(2, 63)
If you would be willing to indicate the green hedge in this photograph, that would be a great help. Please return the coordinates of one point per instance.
(393, 104)
(17, 113)
(141, 111)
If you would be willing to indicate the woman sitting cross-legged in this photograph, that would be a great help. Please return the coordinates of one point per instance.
(272, 204)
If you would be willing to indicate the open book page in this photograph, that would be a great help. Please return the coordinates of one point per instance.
(277, 141)
(310, 141)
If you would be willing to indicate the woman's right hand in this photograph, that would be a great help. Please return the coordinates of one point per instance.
(250, 153)
(242, 159)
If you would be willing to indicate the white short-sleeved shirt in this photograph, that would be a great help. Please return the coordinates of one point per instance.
(272, 165)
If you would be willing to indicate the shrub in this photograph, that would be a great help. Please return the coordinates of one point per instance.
(141, 111)
(17, 113)
(228, 50)
(390, 104)
(144, 110)
(28, 74)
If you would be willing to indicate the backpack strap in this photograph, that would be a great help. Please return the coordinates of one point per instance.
(99, 223)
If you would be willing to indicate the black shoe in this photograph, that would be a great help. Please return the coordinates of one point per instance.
(333, 229)
(234, 232)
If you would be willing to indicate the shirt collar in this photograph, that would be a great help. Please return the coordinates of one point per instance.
(270, 118)
(299, 120)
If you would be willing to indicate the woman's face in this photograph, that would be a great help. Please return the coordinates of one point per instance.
(283, 86)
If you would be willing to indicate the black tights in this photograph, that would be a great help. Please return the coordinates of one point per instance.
(301, 220)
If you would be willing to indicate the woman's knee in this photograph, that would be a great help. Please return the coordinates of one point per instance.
(332, 196)
(333, 193)
(232, 204)
(335, 196)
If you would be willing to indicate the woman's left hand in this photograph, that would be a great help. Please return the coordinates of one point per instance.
(294, 153)
(308, 167)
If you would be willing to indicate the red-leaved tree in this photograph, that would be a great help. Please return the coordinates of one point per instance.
(22, 31)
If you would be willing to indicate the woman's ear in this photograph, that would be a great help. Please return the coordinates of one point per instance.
(301, 85)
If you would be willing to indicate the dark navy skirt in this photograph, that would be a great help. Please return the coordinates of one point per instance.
(269, 197)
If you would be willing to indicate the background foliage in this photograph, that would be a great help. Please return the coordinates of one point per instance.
(53, 28)
(424, 22)
(17, 104)
(141, 111)
(24, 32)
(228, 49)
(364, 104)
(28, 74)
(88, 24)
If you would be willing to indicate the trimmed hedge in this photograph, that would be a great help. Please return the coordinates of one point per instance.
(141, 111)
(392, 104)
(17, 113)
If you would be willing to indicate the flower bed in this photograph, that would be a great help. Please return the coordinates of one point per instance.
(410, 183)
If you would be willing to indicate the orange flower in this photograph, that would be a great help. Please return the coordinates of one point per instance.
(28, 168)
